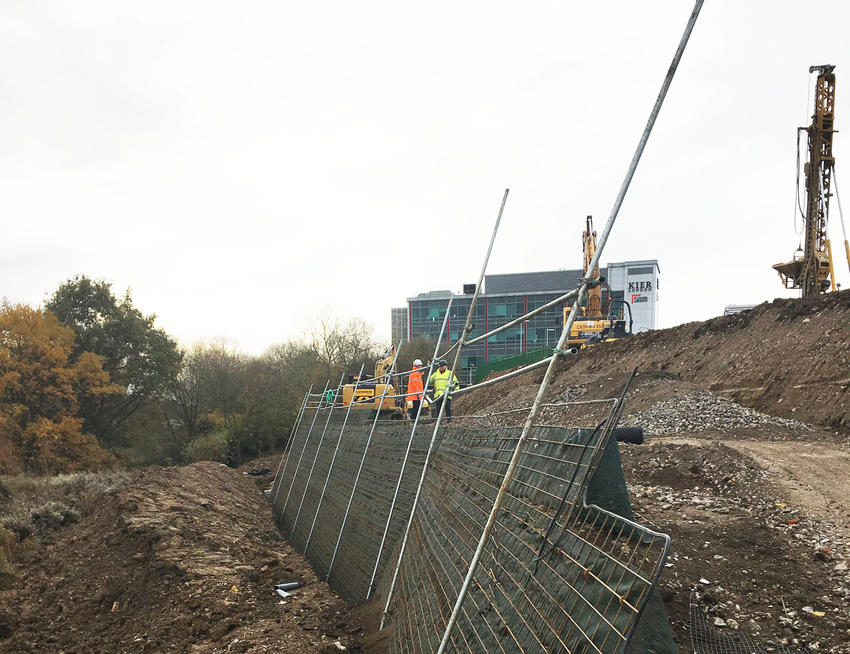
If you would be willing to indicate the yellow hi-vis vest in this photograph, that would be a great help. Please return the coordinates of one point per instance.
(440, 380)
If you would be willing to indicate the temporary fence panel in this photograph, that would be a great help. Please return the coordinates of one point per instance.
(706, 639)
(556, 576)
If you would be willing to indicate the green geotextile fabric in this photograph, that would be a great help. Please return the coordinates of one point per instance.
(608, 490)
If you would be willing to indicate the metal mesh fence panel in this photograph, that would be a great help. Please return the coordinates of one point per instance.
(556, 576)
(282, 487)
(706, 639)
(316, 515)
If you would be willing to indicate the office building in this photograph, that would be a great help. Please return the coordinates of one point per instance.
(509, 296)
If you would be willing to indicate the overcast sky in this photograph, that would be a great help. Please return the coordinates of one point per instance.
(246, 166)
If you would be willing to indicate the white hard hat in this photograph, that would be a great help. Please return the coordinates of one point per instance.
(417, 362)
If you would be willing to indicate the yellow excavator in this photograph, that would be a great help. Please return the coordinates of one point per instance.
(591, 326)
(366, 392)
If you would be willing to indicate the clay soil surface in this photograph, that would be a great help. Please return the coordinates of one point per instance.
(172, 560)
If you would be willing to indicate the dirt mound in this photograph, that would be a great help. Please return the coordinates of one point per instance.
(775, 371)
(787, 358)
(180, 559)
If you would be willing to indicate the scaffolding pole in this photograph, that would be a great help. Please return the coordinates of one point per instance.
(288, 447)
(363, 461)
(303, 449)
(315, 458)
(466, 329)
(407, 454)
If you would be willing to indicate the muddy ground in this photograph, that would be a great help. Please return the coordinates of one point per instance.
(766, 561)
(747, 468)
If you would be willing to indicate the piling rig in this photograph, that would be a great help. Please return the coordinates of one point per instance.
(811, 269)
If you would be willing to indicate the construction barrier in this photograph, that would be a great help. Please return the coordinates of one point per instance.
(561, 572)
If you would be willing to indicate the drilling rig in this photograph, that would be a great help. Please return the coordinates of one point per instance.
(811, 268)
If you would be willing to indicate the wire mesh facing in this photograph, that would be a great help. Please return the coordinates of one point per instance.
(557, 576)
(312, 518)
(706, 639)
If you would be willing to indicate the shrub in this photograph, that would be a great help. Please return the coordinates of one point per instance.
(53, 515)
(17, 526)
(209, 447)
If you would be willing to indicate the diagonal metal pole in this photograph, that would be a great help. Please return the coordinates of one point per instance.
(466, 329)
(333, 459)
(315, 458)
(407, 455)
(288, 447)
(363, 460)
(303, 449)
(586, 283)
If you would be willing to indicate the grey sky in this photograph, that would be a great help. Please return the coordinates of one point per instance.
(246, 166)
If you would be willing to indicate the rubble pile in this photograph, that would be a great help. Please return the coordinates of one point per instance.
(704, 411)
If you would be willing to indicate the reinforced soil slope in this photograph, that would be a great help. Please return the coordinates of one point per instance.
(743, 411)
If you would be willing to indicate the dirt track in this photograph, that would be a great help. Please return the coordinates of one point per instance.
(814, 475)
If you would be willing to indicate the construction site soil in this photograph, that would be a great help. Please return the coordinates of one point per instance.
(747, 467)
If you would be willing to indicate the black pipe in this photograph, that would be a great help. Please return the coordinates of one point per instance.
(629, 435)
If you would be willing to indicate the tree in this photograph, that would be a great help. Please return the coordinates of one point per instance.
(343, 347)
(141, 359)
(421, 347)
(41, 389)
(211, 393)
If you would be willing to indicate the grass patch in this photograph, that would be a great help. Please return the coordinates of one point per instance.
(31, 508)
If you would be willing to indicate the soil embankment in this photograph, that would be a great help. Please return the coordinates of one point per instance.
(175, 560)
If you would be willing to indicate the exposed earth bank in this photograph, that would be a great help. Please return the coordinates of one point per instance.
(172, 560)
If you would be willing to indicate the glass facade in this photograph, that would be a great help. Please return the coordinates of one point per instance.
(400, 326)
(490, 312)
(510, 296)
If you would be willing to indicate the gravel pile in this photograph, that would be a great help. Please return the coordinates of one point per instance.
(704, 411)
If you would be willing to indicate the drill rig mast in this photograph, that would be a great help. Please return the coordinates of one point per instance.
(811, 271)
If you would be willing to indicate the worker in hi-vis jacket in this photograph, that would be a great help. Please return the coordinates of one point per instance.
(415, 388)
(443, 381)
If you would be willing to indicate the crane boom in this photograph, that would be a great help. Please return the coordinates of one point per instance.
(594, 295)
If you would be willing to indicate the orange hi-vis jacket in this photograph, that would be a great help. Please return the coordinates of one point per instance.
(414, 385)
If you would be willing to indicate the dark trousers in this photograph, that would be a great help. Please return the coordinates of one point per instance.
(435, 407)
(412, 411)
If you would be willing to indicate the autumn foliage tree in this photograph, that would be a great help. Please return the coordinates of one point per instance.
(40, 393)
(142, 359)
